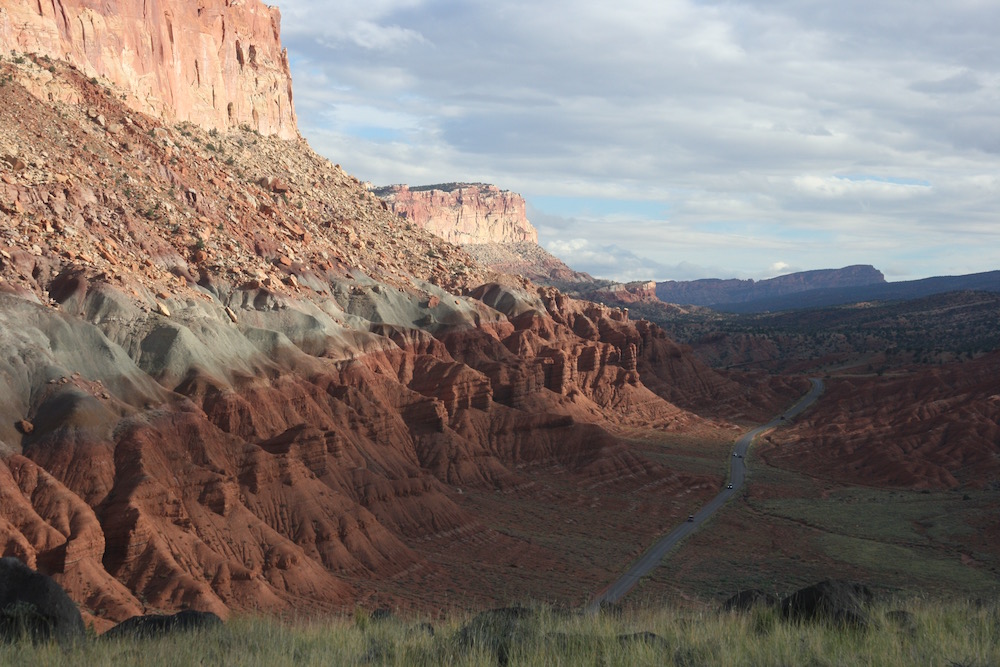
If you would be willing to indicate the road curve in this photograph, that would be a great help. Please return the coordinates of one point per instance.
(737, 477)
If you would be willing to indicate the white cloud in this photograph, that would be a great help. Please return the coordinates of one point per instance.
(616, 263)
(838, 186)
(370, 35)
(832, 133)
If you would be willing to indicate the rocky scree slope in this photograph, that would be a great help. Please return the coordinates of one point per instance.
(529, 260)
(232, 379)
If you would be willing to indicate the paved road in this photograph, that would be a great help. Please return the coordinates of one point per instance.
(737, 477)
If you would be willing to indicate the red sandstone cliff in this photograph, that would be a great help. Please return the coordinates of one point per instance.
(463, 213)
(215, 63)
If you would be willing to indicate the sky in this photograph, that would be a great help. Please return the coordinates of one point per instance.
(678, 139)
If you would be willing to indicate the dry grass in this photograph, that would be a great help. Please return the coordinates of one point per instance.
(933, 633)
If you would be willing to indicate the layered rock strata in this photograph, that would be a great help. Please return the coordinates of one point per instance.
(216, 63)
(923, 428)
(463, 213)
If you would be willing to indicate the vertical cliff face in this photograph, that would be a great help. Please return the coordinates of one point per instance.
(463, 213)
(216, 63)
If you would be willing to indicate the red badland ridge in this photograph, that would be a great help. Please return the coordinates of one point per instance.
(231, 379)
(216, 63)
(939, 429)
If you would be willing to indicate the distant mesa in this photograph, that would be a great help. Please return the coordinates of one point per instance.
(711, 292)
(825, 288)
(828, 297)
(462, 213)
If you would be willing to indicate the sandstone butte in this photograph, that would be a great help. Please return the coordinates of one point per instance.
(463, 213)
(232, 379)
(216, 63)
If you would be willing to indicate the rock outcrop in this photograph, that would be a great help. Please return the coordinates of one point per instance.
(216, 63)
(463, 213)
(843, 603)
(636, 292)
(34, 607)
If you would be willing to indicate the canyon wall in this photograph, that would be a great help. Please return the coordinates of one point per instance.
(463, 213)
(216, 63)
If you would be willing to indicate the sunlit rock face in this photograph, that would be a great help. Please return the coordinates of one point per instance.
(216, 63)
(463, 213)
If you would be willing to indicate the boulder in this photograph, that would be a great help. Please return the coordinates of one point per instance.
(15, 163)
(33, 606)
(842, 602)
(156, 625)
